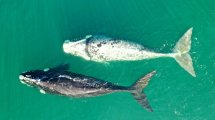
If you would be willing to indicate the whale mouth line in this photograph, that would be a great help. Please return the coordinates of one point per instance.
(28, 81)
(23, 78)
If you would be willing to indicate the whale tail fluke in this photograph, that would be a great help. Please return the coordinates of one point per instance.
(182, 55)
(137, 91)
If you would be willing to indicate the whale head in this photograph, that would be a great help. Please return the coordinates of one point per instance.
(77, 48)
(34, 78)
(39, 77)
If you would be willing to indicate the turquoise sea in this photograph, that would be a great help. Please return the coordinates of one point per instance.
(32, 33)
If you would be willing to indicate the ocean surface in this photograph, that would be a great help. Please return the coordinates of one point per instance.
(32, 33)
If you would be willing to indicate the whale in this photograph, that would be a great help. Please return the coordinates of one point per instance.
(60, 81)
(103, 49)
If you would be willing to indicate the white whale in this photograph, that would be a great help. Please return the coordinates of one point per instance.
(104, 49)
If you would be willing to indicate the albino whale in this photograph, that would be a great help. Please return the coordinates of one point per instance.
(104, 49)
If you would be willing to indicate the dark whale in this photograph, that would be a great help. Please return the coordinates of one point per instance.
(60, 81)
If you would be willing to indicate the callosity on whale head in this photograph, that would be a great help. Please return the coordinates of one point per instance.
(33, 78)
(77, 48)
(38, 77)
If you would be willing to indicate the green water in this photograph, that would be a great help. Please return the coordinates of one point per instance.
(31, 37)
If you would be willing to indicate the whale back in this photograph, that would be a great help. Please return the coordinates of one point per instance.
(102, 48)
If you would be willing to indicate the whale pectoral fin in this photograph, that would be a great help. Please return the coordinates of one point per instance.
(46, 69)
(42, 91)
(62, 67)
(88, 36)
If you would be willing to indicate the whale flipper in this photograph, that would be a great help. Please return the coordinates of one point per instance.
(182, 49)
(138, 93)
(61, 67)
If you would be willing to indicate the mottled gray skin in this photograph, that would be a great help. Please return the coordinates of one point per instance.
(105, 49)
(69, 84)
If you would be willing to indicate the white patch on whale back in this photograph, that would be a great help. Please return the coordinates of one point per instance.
(65, 76)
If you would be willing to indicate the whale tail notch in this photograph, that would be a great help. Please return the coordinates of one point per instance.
(182, 49)
(137, 91)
